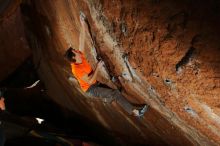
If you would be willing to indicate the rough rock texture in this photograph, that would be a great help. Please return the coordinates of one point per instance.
(175, 47)
(163, 53)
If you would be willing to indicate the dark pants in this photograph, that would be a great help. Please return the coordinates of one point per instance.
(108, 95)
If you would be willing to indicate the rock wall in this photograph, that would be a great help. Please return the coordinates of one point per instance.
(162, 53)
(174, 46)
(13, 45)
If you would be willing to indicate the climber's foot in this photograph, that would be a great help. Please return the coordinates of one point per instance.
(139, 112)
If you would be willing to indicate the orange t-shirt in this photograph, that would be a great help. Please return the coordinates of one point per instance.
(79, 70)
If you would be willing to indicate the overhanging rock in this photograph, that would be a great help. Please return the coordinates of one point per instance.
(164, 53)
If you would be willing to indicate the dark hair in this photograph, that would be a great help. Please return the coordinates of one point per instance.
(70, 54)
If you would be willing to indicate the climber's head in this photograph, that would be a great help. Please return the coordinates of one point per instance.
(74, 56)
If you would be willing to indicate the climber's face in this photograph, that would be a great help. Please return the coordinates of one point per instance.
(77, 57)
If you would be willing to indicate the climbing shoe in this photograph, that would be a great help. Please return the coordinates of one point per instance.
(140, 111)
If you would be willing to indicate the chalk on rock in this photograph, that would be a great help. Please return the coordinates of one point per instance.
(189, 110)
(82, 16)
(126, 76)
(72, 80)
(39, 120)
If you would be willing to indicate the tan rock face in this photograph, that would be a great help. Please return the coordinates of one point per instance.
(174, 46)
(163, 53)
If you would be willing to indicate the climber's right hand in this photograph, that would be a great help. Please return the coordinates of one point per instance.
(100, 64)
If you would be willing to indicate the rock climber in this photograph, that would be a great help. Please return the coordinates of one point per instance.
(87, 77)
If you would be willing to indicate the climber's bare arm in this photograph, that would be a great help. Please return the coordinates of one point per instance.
(91, 78)
(85, 36)
(82, 39)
